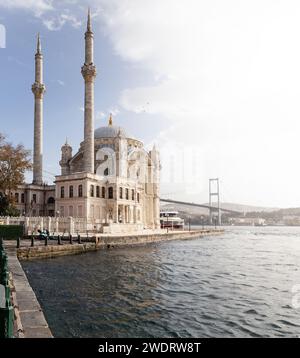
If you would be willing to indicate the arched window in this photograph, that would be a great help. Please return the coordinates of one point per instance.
(132, 194)
(138, 197)
(62, 192)
(51, 200)
(71, 192)
(97, 191)
(127, 194)
(92, 190)
(121, 193)
(80, 190)
(103, 192)
(106, 172)
(110, 192)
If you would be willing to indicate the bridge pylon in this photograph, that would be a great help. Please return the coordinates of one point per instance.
(214, 192)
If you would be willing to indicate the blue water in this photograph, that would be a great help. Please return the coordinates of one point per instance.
(235, 285)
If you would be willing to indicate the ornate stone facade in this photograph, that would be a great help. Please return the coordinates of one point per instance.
(124, 188)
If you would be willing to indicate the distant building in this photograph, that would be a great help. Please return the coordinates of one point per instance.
(247, 221)
(292, 220)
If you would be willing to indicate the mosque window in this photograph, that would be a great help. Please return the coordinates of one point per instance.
(127, 194)
(132, 194)
(103, 192)
(71, 192)
(106, 172)
(80, 191)
(110, 192)
(92, 190)
(121, 193)
(51, 200)
(98, 191)
(62, 192)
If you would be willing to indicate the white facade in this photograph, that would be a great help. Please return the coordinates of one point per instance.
(124, 187)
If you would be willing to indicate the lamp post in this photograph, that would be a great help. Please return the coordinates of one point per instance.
(167, 222)
(215, 221)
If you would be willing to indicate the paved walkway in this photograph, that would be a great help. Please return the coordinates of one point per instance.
(30, 321)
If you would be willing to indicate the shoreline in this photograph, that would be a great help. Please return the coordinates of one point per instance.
(99, 242)
(29, 319)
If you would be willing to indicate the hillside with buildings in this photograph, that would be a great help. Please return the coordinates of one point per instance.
(249, 215)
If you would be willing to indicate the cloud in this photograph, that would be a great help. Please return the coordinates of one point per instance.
(113, 111)
(225, 77)
(54, 14)
(55, 23)
(38, 7)
(100, 115)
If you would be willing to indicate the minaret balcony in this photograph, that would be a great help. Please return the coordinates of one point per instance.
(38, 88)
(88, 72)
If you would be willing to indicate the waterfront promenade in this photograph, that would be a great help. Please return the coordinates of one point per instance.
(64, 246)
(29, 317)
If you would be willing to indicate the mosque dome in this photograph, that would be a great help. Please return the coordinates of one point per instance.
(111, 131)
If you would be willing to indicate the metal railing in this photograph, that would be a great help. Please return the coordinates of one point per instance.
(6, 307)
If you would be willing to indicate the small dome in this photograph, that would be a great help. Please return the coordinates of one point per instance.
(111, 132)
(66, 145)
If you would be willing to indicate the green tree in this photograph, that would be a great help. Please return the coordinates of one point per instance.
(14, 162)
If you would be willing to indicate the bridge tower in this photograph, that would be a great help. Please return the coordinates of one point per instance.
(214, 192)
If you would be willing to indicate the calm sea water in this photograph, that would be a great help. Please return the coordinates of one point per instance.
(235, 285)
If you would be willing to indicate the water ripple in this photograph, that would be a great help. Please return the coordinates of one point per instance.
(238, 285)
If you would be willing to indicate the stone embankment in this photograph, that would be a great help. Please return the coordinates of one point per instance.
(29, 318)
(39, 250)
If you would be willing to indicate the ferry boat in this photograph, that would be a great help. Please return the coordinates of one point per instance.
(171, 220)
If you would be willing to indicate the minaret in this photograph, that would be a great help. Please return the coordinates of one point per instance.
(66, 155)
(155, 178)
(38, 89)
(88, 71)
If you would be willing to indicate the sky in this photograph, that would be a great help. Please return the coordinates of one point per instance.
(214, 84)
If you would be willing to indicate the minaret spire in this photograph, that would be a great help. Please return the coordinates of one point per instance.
(110, 121)
(89, 73)
(89, 25)
(39, 47)
(38, 89)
